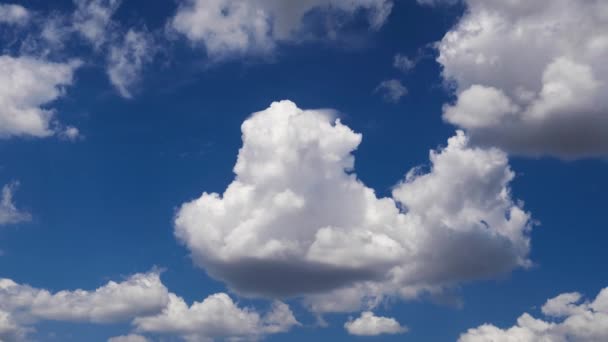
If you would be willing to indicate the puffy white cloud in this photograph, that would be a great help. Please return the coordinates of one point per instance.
(13, 14)
(297, 221)
(530, 76)
(216, 317)
(126, 60)
(371, 325)
(129, 338)
(570, 321)
(140, 294)
(92, 19)
(393, 90)
(227, 27)
(144, 301)
(8, 211)
(29, 85)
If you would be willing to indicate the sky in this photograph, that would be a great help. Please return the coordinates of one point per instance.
(267, 170)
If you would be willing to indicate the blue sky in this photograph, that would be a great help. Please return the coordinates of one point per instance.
(113, 125)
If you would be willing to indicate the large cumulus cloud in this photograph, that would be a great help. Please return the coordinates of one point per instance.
(531, 76)
(569, 320)
(297, 221)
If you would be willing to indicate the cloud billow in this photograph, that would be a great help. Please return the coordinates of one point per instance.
(569, 319)
(530, 77)
(229, 28)
(296, 221)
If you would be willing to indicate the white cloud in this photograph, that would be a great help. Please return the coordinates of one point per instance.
(13, 14)
(144, 301)
(140, 294)
(570, 320)
(29, 86)
(297, 221)
(8, 211)
(530, 76)
(129, 338)
(126, 61)
(227, 27)
(9, 329)
(393, 90)
(403, 63)
(371, 325)
(216, 317)
(92, 19)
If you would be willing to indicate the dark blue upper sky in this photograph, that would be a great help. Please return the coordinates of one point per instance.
(102, 207)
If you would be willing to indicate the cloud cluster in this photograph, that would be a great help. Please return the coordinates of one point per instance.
(216, 317)
(140, 294)
(30, 85)
(8, 211)
(569, 320)
(530, 77)
(126, 51)
(143, 300)
(297, 221)
(371, 325)
(229, 27)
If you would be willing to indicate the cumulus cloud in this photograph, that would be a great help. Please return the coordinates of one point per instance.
(143, 300)
(530, 76)
(392, 90)
(297, 221)
(227, 27)
(216, 317)
(140, 294)
(8, 211)
(126, 60)
(13, 14)
(371, 325)
(568, 319)
(129, 338)
(30, 85)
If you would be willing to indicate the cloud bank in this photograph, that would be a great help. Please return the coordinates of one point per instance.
(143, 300)
(297, 221)
(530, 76)
(237, 27)
(216, 317)
(568, 319)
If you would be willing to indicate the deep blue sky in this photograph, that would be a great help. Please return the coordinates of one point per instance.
(103, 206)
